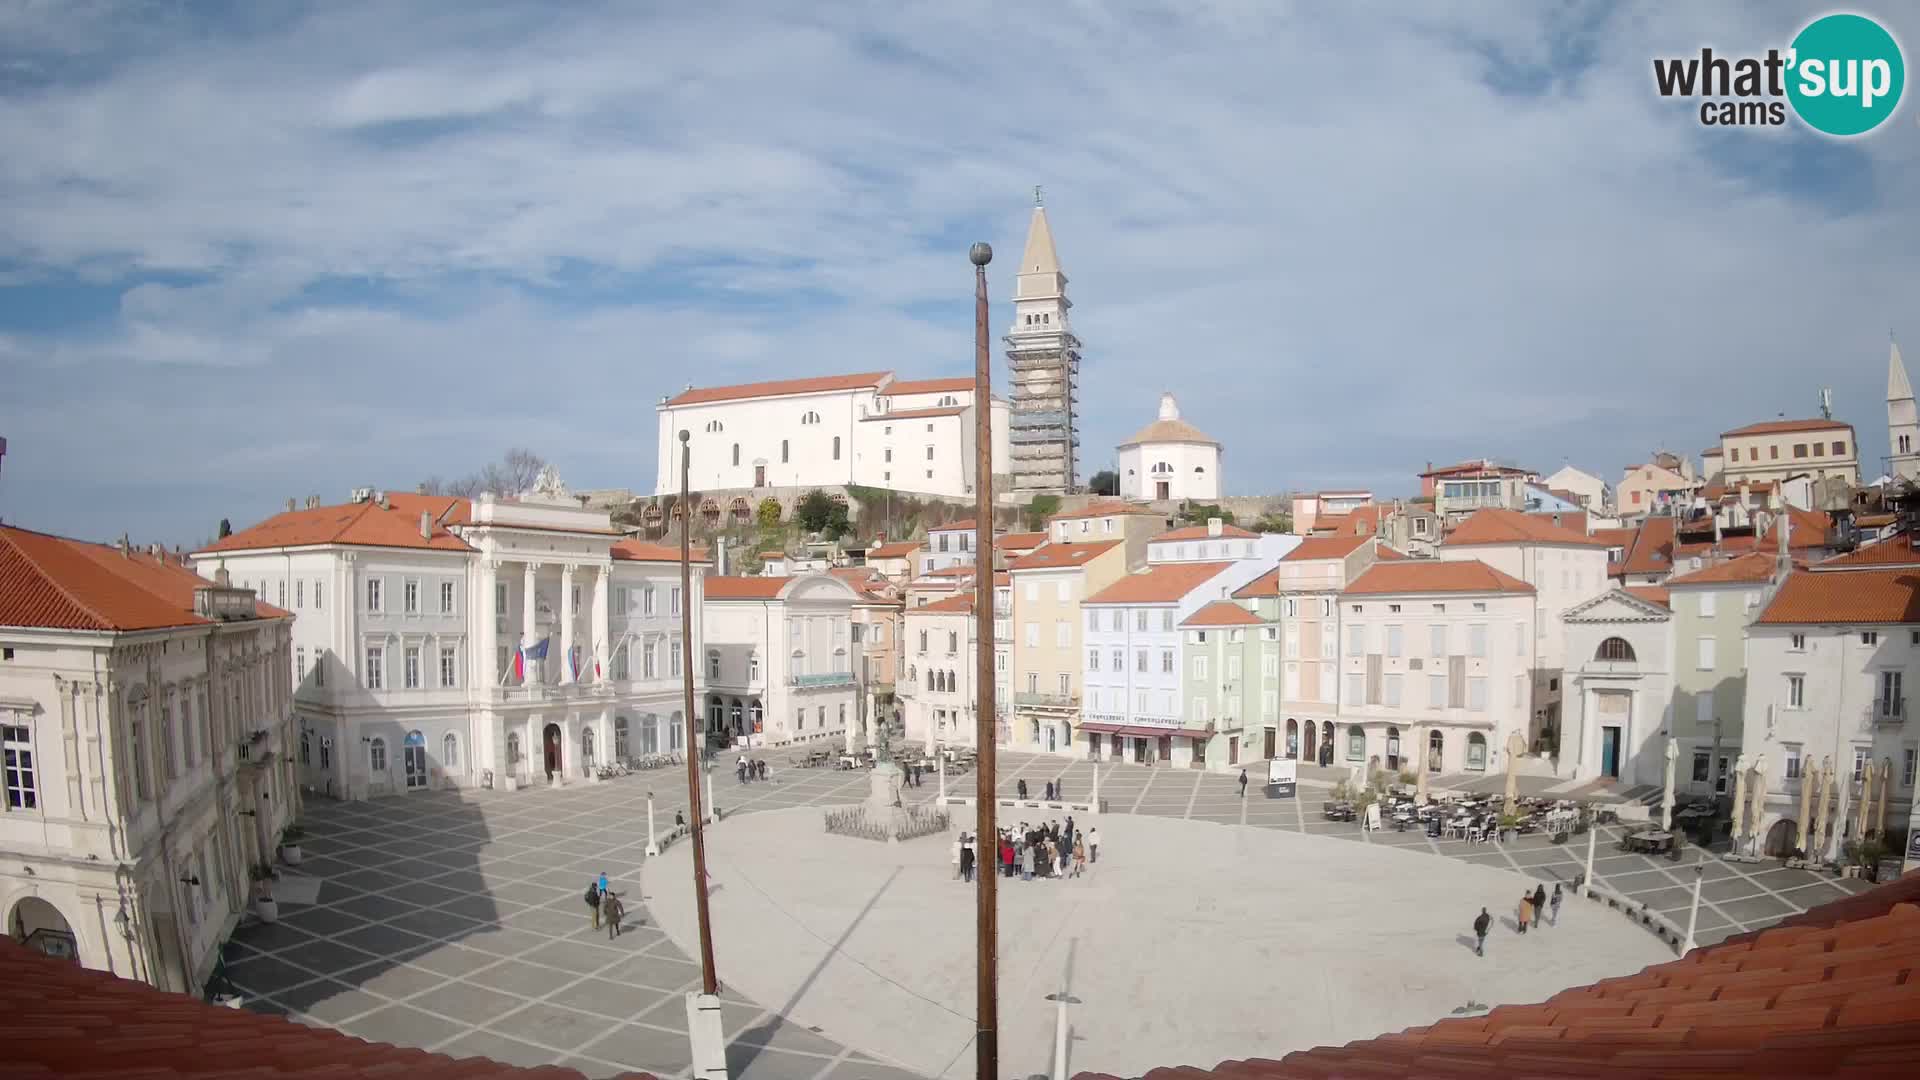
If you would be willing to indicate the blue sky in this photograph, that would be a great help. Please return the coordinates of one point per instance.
(252, 252)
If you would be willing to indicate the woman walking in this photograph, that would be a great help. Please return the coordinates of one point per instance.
(1079, 855)
(1525, 912)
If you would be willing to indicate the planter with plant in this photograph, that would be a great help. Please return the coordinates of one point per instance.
(264, 907)
(290, 845)
(1863, 858)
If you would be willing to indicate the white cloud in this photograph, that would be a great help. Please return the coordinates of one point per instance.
(1323, 228)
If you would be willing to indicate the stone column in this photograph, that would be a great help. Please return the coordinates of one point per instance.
(599, 631)
(489, 628)
(566, 620)
(1740, 768)
(527, 627)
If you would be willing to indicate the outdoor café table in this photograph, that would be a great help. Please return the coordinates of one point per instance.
(1651, 843)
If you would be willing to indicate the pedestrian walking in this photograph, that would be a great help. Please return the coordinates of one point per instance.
(1079, 856)
(1049, 791)
(1556, 903)
(1539, 903)
(1525, 912)
(740, 769)
(1093, 844)
(1021, 787)
(1060, 790)
(1027, 861)
(966, 860)
(1480, 927)
(614, 911)
(1243, 783)
(593, 902)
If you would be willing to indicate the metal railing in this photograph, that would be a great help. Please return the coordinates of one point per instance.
(831, 678)
(1051, 701)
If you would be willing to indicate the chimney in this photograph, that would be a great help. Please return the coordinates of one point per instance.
(1783, 525)
(381, 498)
(124, 546)
(313, 501)
(222, 578)
(1214, 526)
(426, 525)
(290, 505)
(420, 488)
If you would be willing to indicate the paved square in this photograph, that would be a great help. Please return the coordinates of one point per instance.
(454, 921)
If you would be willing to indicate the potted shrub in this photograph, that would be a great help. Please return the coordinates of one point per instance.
(264, 907)
(290, 845)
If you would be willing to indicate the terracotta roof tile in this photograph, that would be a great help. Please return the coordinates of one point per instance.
(1386, 554)
(1755, 567)
(898, 550)
(745, 588)
(1222, 613)
(1846, 596)
(634, 549)
(1017, 541)
(1102, 508)
(780, 387)
(952, 605)
(61, 584)
(1199, 532)
(1653, 594)
(1267, 584)
(916, 414)
(1496, 526)
(1418, 576)
(1776, 427)
(358, 525)
(1161, 583)
(1325, 547)
(1476, 467)
(968, 524)
(1057, 556)
(1893, 551)
(1171, 431)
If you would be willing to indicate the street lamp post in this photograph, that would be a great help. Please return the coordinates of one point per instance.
(704, 1022)
(986, 1006)
(1061, 1001)
(1693, 914)
(653, 846)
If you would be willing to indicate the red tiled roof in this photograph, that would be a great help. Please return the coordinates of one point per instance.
(745, 588)
(1386, 554)
(1478, 466)
(952, 605)
(1573, 520)
(1753, 568)
(66, 1020)
(1418, 576)
(1325, 547)
(1812, 597)
(1330, 524)
(898, 550)
(1015, 541)
(634, 549)
(1711, 451)
(1102, 508)
(1222, 613)
(780, 387)
(1056, 556)
(1199, 532)
(1810, 528)
(1893, 551)
(962, 570)
(1496, 526)
(1834, 991)
(1653, 594)
(954, 526)
(55, 583)
(1776, 427)
(1652, 549)
(1620, 538)
(930, 386)
(359, 525)
(1161, 583)
(1267, 584)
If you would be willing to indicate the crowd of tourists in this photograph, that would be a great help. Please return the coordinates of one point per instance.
(1052, 850)
(1535, 907)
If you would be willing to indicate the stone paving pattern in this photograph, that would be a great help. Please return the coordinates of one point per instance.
(454, 921)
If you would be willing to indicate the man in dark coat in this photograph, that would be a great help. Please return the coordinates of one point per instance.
(1480, 927)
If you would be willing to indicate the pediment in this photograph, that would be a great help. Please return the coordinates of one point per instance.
(1617, 606)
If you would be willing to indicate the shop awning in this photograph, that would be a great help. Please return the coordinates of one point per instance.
(1138, 732)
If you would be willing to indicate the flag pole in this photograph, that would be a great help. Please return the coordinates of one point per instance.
(987, 836)
(708, 983)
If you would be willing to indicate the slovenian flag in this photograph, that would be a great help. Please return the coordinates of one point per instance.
(573, 664)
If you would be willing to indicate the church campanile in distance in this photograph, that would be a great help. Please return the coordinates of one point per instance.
(1043, 358)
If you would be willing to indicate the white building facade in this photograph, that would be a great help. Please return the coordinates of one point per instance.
(1170, 459)
(871, 429)
(418, 646)
(937, 689)
(146, 726)
(780, 660)
(1619, 700)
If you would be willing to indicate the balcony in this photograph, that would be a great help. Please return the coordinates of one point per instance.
(1033, 699)
(1887, 712)
(817, 682)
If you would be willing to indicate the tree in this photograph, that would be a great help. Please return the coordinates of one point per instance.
(837, 524)
(1105, 482)
(1040, 509)
(814, 510)
(1198, 513)
(769, 513)
(511, 475)
(1274, 523)
(226, 528)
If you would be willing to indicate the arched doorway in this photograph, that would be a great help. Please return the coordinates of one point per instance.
(1311, 751)
(1436, 751)
(1780, 838)
(1293, 739)
(413, 757)
(550, 746)
(1326, 742)
(39, 926)
(1393, 749)
(586, 750)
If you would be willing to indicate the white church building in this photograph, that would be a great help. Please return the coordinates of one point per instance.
(871, 429)
(1170, 459)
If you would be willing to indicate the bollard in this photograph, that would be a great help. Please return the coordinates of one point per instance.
(1693, 915)
(653, 847)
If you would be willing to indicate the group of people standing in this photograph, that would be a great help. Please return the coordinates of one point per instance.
(1052, 850)
(1055, 791)
(1534, 908)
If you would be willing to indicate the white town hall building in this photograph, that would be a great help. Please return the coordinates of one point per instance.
(871, 429)
(409, 612)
